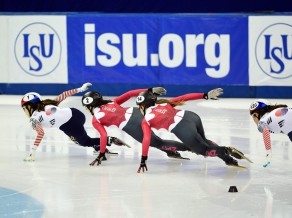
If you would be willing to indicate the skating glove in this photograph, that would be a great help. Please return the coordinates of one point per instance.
(31, 157)
(158, 90)
(268, 160)
(84, 87)
(213, 94)
(143, 165)
(98, 160)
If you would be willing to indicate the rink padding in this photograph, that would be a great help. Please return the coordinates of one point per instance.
(172, 90)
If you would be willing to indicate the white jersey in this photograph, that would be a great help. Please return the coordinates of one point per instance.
(277, 121)
(53, 116)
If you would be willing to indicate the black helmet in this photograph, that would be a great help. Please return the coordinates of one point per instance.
(91, 99)
(147, 99)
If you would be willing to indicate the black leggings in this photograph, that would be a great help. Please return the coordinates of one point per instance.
(191, 132)
(74, 128)
(290, 136)
(134, 129)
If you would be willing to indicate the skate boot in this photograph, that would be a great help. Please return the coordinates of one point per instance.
(117, 141)
(175, 155)
(237, 154)
(229, 161)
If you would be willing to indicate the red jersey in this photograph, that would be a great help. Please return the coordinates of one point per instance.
(113, 114)
(163, 116)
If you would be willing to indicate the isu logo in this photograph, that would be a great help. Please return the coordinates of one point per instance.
(38, 49)
(274, 50)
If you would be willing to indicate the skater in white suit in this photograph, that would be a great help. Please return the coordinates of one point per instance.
(47, 114)
(270, 118)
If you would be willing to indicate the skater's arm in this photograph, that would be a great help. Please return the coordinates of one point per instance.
(213, 94)
(145, 146)
(68, 93)
(267, 141)
(103, 134)
(146, 138)
(126, 96)
(65, 94)
(40, 134)
(263, 128)
(188, 97)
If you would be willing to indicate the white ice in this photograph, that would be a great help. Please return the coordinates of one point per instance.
(60, 183)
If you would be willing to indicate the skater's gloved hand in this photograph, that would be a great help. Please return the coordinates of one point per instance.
(31, 157)
(98, 160)
(214, 94)
(268, 160)
(84, 87)
(159, 90)
(143, 165)
(116, 141)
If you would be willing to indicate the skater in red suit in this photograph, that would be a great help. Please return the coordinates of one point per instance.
(186, 125)
(110, 113)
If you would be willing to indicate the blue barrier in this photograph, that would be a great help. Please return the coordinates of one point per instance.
(172, 90)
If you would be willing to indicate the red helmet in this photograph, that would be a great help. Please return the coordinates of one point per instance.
(31, 97)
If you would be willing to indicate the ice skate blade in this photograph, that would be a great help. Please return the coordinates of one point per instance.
(234, 150)
(178, 158)
(109, 154)
(238, 167)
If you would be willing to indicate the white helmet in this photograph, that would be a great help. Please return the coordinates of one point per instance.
(258, 104)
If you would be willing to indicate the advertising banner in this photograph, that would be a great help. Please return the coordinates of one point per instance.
(158, 49)
(35, 49)
(270, 50)
(246, 55)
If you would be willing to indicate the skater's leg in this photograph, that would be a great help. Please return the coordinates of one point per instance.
(290, 136)
(134, 129)
(189, 131)
(230, 150)
(75, 130)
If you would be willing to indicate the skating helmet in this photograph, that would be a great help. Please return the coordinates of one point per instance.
(258, 105)
(91, 99)
(30, 98)
(147, 99)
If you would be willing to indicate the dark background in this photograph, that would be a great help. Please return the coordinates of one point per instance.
(148, 6)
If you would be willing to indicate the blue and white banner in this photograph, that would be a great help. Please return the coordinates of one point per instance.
(270, 50)
(36, 49)
(158, 49)
(115, 52)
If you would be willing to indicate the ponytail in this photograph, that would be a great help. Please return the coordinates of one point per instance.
(41, 105)
(172, 103)
(268, 109)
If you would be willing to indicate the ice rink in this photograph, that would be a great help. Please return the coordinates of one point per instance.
(60, 183)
